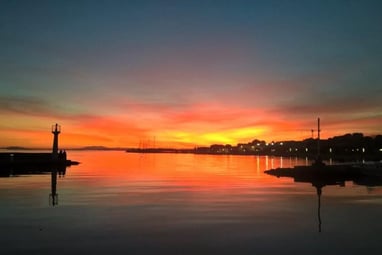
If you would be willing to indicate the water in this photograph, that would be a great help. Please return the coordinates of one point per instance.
(121, 203)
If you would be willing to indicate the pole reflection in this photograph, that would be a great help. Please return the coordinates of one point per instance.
(320, 177)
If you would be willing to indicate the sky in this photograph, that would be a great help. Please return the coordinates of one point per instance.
(187, 73)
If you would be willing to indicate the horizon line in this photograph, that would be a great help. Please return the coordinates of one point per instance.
(103, 147)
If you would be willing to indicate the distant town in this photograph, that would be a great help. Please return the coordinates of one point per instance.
(347, 147)
(354, 146)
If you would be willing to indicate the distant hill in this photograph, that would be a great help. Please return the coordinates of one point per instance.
(18, 148)
(89, 148)
(99, 148)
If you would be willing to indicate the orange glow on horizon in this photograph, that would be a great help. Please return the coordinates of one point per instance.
(194, 125)
(155, 138)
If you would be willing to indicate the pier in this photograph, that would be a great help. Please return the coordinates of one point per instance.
(30, 162)
(319, 172)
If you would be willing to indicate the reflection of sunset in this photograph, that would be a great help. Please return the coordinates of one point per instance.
(202, 182)
(161, 76)
(187, 170)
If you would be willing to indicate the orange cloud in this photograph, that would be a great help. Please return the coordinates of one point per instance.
(130, 123)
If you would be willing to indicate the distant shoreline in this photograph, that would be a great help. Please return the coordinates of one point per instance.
(311, 156)
(347, 147)
(337, 157)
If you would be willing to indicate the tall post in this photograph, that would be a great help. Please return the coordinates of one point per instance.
(318, 159)
(56, 130)
(318, 138)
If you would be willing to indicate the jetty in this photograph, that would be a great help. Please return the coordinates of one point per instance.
(30, 162)
(320, 175)
(319, 172)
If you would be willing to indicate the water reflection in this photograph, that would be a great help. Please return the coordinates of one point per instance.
(319, 185)
(319, 181)
(182, 203)
(53, 196)
(59, 171)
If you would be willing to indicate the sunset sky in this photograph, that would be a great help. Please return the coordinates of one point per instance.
(187, 73)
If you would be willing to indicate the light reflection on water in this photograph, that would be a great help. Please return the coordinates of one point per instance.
(115, 202)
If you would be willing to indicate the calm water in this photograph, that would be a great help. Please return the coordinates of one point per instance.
(120, 203)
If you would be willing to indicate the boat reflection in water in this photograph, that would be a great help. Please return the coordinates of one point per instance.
(321, 175)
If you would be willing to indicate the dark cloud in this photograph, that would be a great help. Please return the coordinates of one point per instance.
(26, 105)
(335, 103)
(36, 107)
